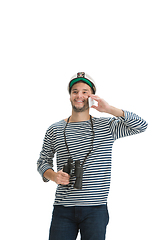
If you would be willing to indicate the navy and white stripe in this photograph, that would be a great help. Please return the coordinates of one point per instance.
(97, 168)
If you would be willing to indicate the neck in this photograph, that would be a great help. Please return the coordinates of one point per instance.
(79, 116)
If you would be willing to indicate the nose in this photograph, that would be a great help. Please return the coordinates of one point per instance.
(80, 95)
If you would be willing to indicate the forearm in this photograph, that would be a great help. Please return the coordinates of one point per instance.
(115, 111)
(130, 124)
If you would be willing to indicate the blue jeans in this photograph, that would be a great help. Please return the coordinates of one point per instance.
(90, 220)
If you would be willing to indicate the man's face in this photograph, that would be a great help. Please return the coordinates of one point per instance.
(79, 96)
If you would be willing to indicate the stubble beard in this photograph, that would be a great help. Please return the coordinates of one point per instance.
(80, 109)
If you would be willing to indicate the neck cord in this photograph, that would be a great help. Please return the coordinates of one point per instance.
(91, 140)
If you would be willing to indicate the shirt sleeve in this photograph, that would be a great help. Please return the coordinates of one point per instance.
(128, 125)
(45, 160)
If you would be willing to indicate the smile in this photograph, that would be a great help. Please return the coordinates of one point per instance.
(79, 101)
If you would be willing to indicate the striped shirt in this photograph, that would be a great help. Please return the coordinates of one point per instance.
(97, 168)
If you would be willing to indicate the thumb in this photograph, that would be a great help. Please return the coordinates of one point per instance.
(95, 107)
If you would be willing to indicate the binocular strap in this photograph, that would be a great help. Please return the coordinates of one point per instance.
(91, 141)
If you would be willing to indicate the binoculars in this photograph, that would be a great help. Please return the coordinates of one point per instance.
(68, 168)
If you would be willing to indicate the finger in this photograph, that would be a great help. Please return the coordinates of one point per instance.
(64, 182)
(95, 107)
(61, 180)
(63, 174)
(96, 98)
(64, 179)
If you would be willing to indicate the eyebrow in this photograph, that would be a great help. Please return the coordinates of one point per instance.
(77, 89)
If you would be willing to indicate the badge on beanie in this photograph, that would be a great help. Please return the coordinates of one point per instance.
(81, 74)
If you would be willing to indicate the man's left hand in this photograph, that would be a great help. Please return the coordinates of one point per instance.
(103, 106)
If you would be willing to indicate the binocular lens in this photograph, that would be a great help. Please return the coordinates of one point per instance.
(68, 168)
(79, 176)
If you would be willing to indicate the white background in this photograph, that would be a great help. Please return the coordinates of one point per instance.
(44, 43)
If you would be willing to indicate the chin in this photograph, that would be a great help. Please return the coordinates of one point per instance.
(78, 109)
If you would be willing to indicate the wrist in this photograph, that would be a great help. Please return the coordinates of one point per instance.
(109, 109)
(54, 177)
(50, 175)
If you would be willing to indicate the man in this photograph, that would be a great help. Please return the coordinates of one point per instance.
(87, 141)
